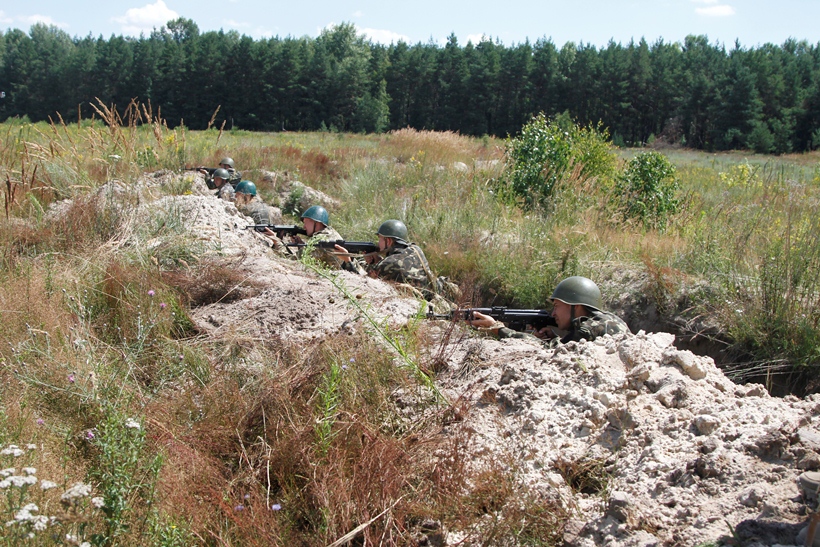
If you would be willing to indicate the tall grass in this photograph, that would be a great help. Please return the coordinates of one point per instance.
(241, 442)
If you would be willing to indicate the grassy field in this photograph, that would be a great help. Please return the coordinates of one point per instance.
(97, 348)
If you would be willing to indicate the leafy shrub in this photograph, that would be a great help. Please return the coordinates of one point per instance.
(647, 190)
(549, 151)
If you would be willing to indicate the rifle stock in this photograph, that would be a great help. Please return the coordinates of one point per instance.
(210, 170)
(516, 319)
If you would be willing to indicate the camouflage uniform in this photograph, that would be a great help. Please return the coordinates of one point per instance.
(226, 192)
(407, 264)
(257, 210)
(235, 178)
(589, 327)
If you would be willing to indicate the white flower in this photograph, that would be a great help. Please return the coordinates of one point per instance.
(98, 502)
(18, 481)
(40, 523)
(47, 485)
(131, 423)
(8, 471)
(31, 446)
(12, 450)
(79, 490)
(85, 544)
(31, 507)
(30, 470)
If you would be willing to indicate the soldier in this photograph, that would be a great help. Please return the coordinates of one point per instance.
(249, 204)
(223, 189)
(403, 261)
(234, 176)
(316, 221)
(576, 309)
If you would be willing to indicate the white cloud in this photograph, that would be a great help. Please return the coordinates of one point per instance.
(722, 10)
(358, 13)
(385, 37)
(705, 1)
(45, 19)
(3, 19)
(146, 18)
(379, 36)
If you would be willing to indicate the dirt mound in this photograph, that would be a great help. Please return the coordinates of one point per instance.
(648, 444)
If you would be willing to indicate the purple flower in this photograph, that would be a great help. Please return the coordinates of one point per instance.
(40, 421)
(352, 359)
(71, 378)
(239, 507)
(162, 305)
(276, 507)
(89, 434)
(247, 496)
(344, 367)
(151, 292)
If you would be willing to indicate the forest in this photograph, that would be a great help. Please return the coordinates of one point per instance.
(695, 94)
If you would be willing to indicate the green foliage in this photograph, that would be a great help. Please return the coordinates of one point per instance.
(548, 152)
(647, 190)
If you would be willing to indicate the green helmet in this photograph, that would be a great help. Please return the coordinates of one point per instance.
(227, 161)
(317, 213)
(222, 173)
(578, 290)
(394, 229)
(246, 187)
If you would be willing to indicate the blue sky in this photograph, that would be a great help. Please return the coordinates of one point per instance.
(752, 22)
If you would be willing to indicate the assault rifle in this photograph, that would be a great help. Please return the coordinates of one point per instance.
(513, 318)
(280, 230)
(210, 170)
(353, 247)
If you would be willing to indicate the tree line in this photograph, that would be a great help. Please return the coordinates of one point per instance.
(695, 93)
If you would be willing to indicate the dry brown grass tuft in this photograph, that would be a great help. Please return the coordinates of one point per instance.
(212, 281)
(437, 147)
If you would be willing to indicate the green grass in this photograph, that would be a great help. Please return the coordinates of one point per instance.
(86, 348)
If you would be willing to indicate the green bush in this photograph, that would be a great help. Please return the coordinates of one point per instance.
(647, 190)
(550, 151)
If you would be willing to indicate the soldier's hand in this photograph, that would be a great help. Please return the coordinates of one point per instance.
(481, 321)
(372, 258)
(544, 333)
(343, 257)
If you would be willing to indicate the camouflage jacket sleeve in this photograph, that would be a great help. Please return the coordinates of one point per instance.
(235, 177)
(405, 265)
(226, 192)
(596, 325)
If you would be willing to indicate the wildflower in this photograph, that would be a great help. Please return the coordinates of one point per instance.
(239, 507)
(352, 359)
(40, 523)
(151, 292)
(30, 470)
(247, 496)
(162, 305)
(71, 378)
(98, 502)
(276, 507)
(131, 423)
(79, 490)
(12, 450)
(8, 471)
(344, 367)
(18, 481)
(47, 485)
(31, 446)
(40, 421)
(89, 434)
